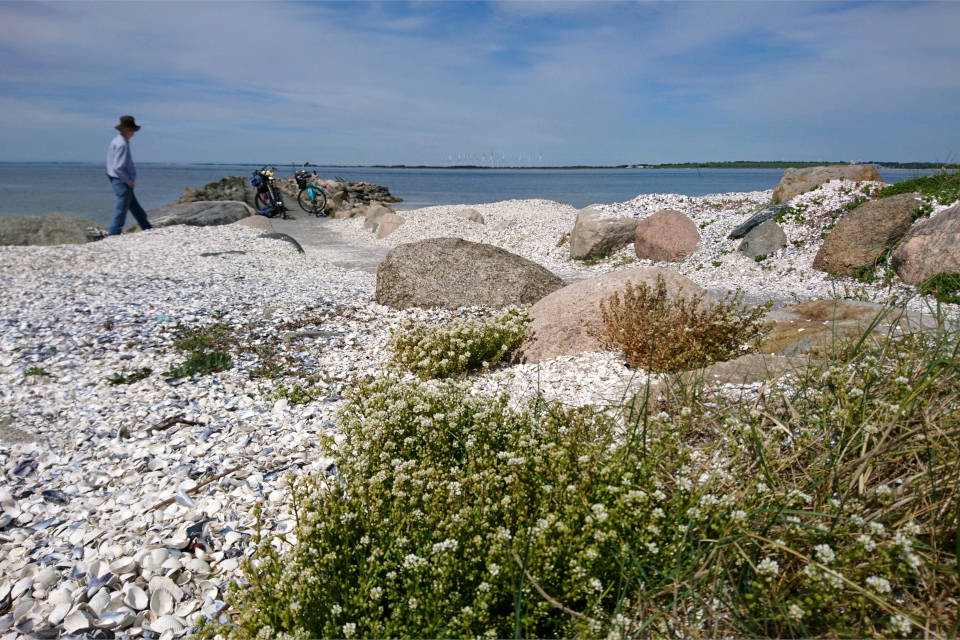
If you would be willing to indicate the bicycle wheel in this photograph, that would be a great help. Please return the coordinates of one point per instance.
(313, 200)
(278, 199)
(262, 200)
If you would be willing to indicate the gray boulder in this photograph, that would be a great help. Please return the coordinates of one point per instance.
(199, 214)
(373, 215)
(865, 234)
(797, 181)
(931, 247)
(450, 273)
(596, 235)
(758, 218)
(764, 239)
(50, 229)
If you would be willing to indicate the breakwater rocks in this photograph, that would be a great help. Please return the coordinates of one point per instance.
(51, 229)
(346, 199)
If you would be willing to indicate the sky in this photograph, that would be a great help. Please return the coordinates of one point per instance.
(585, 83)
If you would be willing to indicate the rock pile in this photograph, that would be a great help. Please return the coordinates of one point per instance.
(348, 198)
(51, 229)
(229, 188)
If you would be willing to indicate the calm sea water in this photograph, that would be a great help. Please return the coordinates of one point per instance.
(83, 189)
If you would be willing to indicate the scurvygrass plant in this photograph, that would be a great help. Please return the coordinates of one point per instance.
(442, 351)
(826, 507)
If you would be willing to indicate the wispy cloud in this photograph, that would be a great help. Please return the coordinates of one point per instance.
(587, 82)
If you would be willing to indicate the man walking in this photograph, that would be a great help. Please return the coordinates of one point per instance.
(122, 176)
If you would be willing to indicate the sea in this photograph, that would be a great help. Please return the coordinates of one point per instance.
(84, 190)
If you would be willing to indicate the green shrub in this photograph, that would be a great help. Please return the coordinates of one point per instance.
(37, 371)
(828, 508)
(659, 333)
(134, 376)
(944, 188)
(202, 362)
(457, 346)
(945, 287)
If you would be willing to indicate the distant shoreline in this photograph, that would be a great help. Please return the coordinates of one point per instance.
(744, 164)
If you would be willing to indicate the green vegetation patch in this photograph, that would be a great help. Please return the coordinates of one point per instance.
(944, 188)
(656, 332)
(129, 378)
(826, 508)
(208, 348)
(37, 371)
(458, 346)
(945, 287)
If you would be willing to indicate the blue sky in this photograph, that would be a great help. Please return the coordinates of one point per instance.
(415, 83)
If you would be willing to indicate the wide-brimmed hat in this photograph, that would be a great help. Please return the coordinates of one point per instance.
(127, 123)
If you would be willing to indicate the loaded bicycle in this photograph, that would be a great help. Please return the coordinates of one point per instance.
(312, 198)
(268, 195)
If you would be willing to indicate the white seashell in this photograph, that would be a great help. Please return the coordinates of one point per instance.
(159, 556)
(179, 540)
(186, 608)
(230, 564)
(59, 596)
(48, 576)
(135, 597)
(184, 578)
(116, 603)
(167, 623)
(77, 621)
(23, 610)
(119, 619)
(161, 602)
(10, 506)
(162, 582)
(198, 567)
(99, 601)
(20, 587)
(172, 564)
(59, 613)
(231, 538)
(123, 565)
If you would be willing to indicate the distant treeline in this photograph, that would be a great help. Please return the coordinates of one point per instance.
(735, 164)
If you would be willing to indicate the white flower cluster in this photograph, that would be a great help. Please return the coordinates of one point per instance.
(459, 345)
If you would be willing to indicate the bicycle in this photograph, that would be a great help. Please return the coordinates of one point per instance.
(268, 195)
(311, 197)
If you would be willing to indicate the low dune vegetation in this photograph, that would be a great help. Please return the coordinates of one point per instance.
(821, 504)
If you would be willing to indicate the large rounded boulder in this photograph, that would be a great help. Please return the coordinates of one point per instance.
(865, 234)
(561, 322)
(666, 236)
(451, 272)
(797, 181)
(931, 247)
(51, 229)
(596, 235)
(199, 214)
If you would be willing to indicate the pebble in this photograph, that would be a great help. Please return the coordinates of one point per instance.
(107, 519)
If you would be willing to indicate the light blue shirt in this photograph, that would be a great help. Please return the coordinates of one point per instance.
(120, 162)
